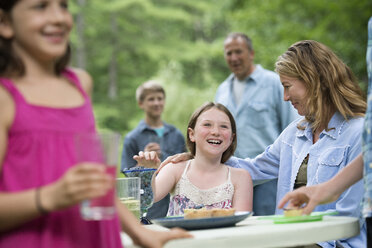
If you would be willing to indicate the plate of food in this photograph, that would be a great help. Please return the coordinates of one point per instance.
(196, 219)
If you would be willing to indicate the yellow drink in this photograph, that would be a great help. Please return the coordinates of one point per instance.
(133, 205)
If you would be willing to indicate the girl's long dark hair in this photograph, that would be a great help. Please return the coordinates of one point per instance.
(10, 63)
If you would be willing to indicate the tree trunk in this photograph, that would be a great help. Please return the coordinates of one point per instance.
(112, 90)
(80, 48)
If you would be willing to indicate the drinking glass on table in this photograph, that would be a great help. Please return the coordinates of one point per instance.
(128, 191)
(102, 148)
(145, 174)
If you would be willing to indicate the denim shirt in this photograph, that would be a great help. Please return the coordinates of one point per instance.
(367, 135)
(135, 141)
(333, 151)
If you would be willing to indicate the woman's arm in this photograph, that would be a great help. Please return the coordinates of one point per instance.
(243, 195)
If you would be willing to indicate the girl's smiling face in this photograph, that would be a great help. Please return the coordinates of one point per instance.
(38, 28)
(295, 92)
(212, 133)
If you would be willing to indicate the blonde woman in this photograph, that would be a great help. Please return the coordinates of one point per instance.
(314, 148)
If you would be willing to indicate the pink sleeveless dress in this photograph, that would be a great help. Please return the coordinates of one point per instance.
(187, 195)
(40, 150)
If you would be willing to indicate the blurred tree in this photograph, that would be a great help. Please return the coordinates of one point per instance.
(275, 25)
(180, 43)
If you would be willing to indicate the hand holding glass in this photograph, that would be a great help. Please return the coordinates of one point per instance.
(102, 148)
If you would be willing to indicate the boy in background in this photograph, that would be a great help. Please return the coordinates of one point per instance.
(152, 134)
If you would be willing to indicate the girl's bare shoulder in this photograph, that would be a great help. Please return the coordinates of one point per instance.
(175, 169)
(239, 173)
(85, 79)
(177, 166)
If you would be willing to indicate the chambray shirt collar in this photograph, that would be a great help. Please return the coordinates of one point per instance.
(256, 73)
(142, 126)
(335, 128)
(254, 76)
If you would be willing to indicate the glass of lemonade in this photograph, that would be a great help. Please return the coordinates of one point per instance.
(101, 148)
(145, 174)
(128, 191)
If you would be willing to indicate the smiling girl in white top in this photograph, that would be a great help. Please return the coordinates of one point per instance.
(204, 180)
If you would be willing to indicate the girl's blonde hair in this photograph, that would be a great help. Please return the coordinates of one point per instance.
(330, 83)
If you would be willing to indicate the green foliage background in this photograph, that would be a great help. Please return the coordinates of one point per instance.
(180, 43)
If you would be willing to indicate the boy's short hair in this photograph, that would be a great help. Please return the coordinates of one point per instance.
(148, 87)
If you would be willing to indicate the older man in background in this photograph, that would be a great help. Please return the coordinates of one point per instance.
(254, 96)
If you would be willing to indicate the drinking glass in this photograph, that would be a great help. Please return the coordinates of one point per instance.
(100, 148)
(128, 191)
(146, 190)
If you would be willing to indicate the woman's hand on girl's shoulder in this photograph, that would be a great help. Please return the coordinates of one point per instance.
(177, 158)
(85, 80)
(175, 168)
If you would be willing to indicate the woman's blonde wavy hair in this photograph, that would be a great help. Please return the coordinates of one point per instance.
(330, 83)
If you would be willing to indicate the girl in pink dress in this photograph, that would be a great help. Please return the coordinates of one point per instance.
(43, 105)
(205, 180)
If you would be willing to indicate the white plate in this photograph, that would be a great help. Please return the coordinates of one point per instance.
(203, 223)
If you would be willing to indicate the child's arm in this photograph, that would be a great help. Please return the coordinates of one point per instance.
(243, 195)
(21, 207)
(164, 181)
(81, 182)
(143, 236)
(7, 110)
(17, 208)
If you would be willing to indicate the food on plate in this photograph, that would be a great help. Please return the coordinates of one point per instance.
(207, 213)
(292, 212)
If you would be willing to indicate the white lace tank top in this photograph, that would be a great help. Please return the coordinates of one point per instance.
(187, 195)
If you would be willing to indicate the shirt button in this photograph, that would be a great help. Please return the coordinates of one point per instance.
(370, 165)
